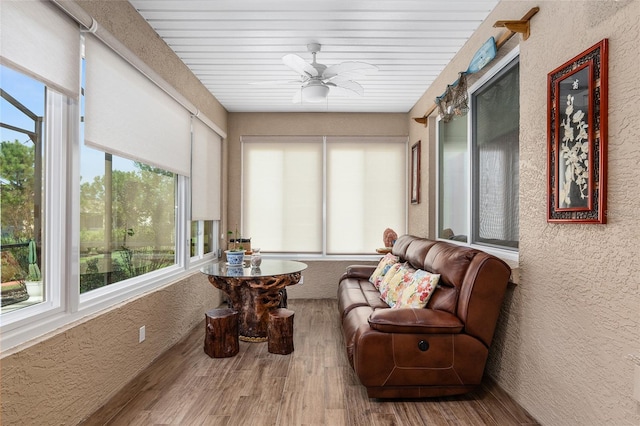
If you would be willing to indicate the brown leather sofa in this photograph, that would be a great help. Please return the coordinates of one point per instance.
(437, 350)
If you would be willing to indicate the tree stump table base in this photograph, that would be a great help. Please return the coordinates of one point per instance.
(252, 339)
(280, 331)
(254, 298)
(221, 333)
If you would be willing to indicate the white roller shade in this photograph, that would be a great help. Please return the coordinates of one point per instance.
(366, 191)
(38, 39)
(206, 167)
(282, 193)
(128, 115)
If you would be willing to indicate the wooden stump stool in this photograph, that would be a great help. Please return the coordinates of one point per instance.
(221, 333)
(280, 331)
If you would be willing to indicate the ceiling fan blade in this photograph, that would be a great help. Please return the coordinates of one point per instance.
(299, 65)
(351, 67)
(297, 96)
(275, 82)
(347, 85)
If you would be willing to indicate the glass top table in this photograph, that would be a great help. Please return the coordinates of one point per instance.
(268, 268)
(254, 292)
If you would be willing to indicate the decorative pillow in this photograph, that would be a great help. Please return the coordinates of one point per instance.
(393, 270)
(383, 266)
(417, 293)
(392, 288)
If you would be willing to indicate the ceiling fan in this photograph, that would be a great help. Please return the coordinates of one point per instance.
(318, 80)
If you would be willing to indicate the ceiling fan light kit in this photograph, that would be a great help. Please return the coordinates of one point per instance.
(315, 92)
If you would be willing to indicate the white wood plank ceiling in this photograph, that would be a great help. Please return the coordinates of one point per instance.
(229, 44)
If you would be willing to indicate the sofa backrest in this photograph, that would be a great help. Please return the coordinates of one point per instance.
(472, 283)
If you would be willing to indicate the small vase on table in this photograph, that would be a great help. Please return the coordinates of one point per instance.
(256, 258)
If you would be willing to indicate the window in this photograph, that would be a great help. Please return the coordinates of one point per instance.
(97, 209)
(495, 111)
(282, 194)
(128, 219)
(21, 195)
(453, 179)
(203, 240)
(206, 181)
(478, 158)
(364, 174)
(315, 195)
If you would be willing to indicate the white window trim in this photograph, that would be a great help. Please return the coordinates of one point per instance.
(64, 305)
(505, 254)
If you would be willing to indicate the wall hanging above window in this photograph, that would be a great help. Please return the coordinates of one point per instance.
(577, 138)
(454, 99)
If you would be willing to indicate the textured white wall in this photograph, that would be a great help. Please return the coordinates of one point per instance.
(566, 330)
(70, 374)
(321, 279)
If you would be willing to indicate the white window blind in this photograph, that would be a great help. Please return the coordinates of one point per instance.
(366, 191)
(282, 193)
(39, 40)
(128, 115)
(206, 169)
(333, 195)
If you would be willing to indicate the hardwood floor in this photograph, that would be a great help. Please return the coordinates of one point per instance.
(312, 386)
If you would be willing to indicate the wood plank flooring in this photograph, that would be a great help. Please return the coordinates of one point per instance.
(312, 386)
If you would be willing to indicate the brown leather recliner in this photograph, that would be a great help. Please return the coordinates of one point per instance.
(438, 350)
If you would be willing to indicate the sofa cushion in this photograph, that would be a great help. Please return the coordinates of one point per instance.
(383, 266)
(450, 261)
(401, 245)
(353, 292)
(416, 252)
(417, 293)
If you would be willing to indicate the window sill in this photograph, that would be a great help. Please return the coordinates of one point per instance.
(514, 280)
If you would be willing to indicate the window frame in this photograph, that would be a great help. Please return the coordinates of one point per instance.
(63, 303)
(504, 253)
(200, 257)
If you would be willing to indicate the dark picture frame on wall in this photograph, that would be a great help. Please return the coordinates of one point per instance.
(415, 173)
(577, 138)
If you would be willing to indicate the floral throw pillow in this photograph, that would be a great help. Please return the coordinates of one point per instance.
(417, 293)
(391, 289)
(383, 266)
(393, 270)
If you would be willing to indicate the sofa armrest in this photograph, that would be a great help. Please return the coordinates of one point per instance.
(426, 321)
(358, 271)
